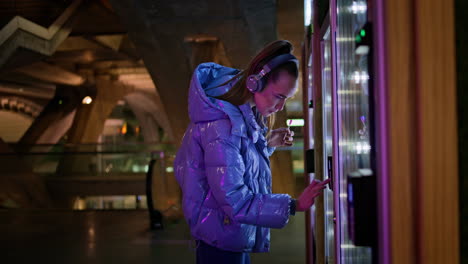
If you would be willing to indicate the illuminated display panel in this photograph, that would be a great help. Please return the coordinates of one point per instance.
(353, 115)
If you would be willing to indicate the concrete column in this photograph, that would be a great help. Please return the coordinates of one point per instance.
(159, 28)
(90, 118)
(150, 114)
(56, 118)
(89, 124)
(205, 48)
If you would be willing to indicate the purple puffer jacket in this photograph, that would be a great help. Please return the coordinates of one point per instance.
(223, 169)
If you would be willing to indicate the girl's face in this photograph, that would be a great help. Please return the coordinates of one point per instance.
(275, 93)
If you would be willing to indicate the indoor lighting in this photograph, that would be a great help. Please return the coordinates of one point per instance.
(87, 100)
(360, 77)
(295, 122)
(358, 7)
(307, 12)
(362, 148)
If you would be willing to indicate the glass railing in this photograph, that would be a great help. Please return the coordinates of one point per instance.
(149, 166)
(70, 160)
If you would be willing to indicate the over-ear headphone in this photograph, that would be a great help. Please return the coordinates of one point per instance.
(255, 82)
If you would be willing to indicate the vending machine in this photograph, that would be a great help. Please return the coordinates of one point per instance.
(340, 89)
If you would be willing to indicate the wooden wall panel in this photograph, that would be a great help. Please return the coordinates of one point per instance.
(437, 132)
(402, 130)
(422, 127)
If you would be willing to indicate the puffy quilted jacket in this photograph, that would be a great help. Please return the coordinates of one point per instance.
(223, 169)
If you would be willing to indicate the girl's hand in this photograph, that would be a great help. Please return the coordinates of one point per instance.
(281, 137)
(306, 199)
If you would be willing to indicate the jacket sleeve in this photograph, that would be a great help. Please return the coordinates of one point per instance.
(270, 150)
(225, 171)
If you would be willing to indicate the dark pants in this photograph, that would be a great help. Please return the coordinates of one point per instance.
(207, 254)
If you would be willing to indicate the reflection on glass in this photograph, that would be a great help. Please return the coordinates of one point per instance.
(113, 202)
(328, 147)
(353, 114)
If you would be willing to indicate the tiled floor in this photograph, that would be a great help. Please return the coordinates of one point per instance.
(59, 236)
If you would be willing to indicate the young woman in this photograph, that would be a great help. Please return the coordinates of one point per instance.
(223, 165)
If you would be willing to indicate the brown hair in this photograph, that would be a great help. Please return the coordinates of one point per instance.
(239, 94)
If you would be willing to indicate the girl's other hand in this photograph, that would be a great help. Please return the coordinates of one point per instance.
(281, 137)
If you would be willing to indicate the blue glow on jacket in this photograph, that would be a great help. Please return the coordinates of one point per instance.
(223, 169)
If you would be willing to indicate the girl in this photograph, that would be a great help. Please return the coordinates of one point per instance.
(223, 165)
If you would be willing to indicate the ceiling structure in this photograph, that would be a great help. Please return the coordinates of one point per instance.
(51, 48)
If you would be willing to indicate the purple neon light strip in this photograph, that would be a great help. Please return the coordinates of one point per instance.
(382, 138)
(308, 145)
(336, 182)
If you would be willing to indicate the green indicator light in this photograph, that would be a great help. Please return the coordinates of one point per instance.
(60, 102)
(358, 39)
(363, 33)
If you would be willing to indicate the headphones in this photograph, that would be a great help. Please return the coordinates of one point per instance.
(255, 82)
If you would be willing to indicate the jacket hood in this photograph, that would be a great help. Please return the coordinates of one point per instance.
(207, 83)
